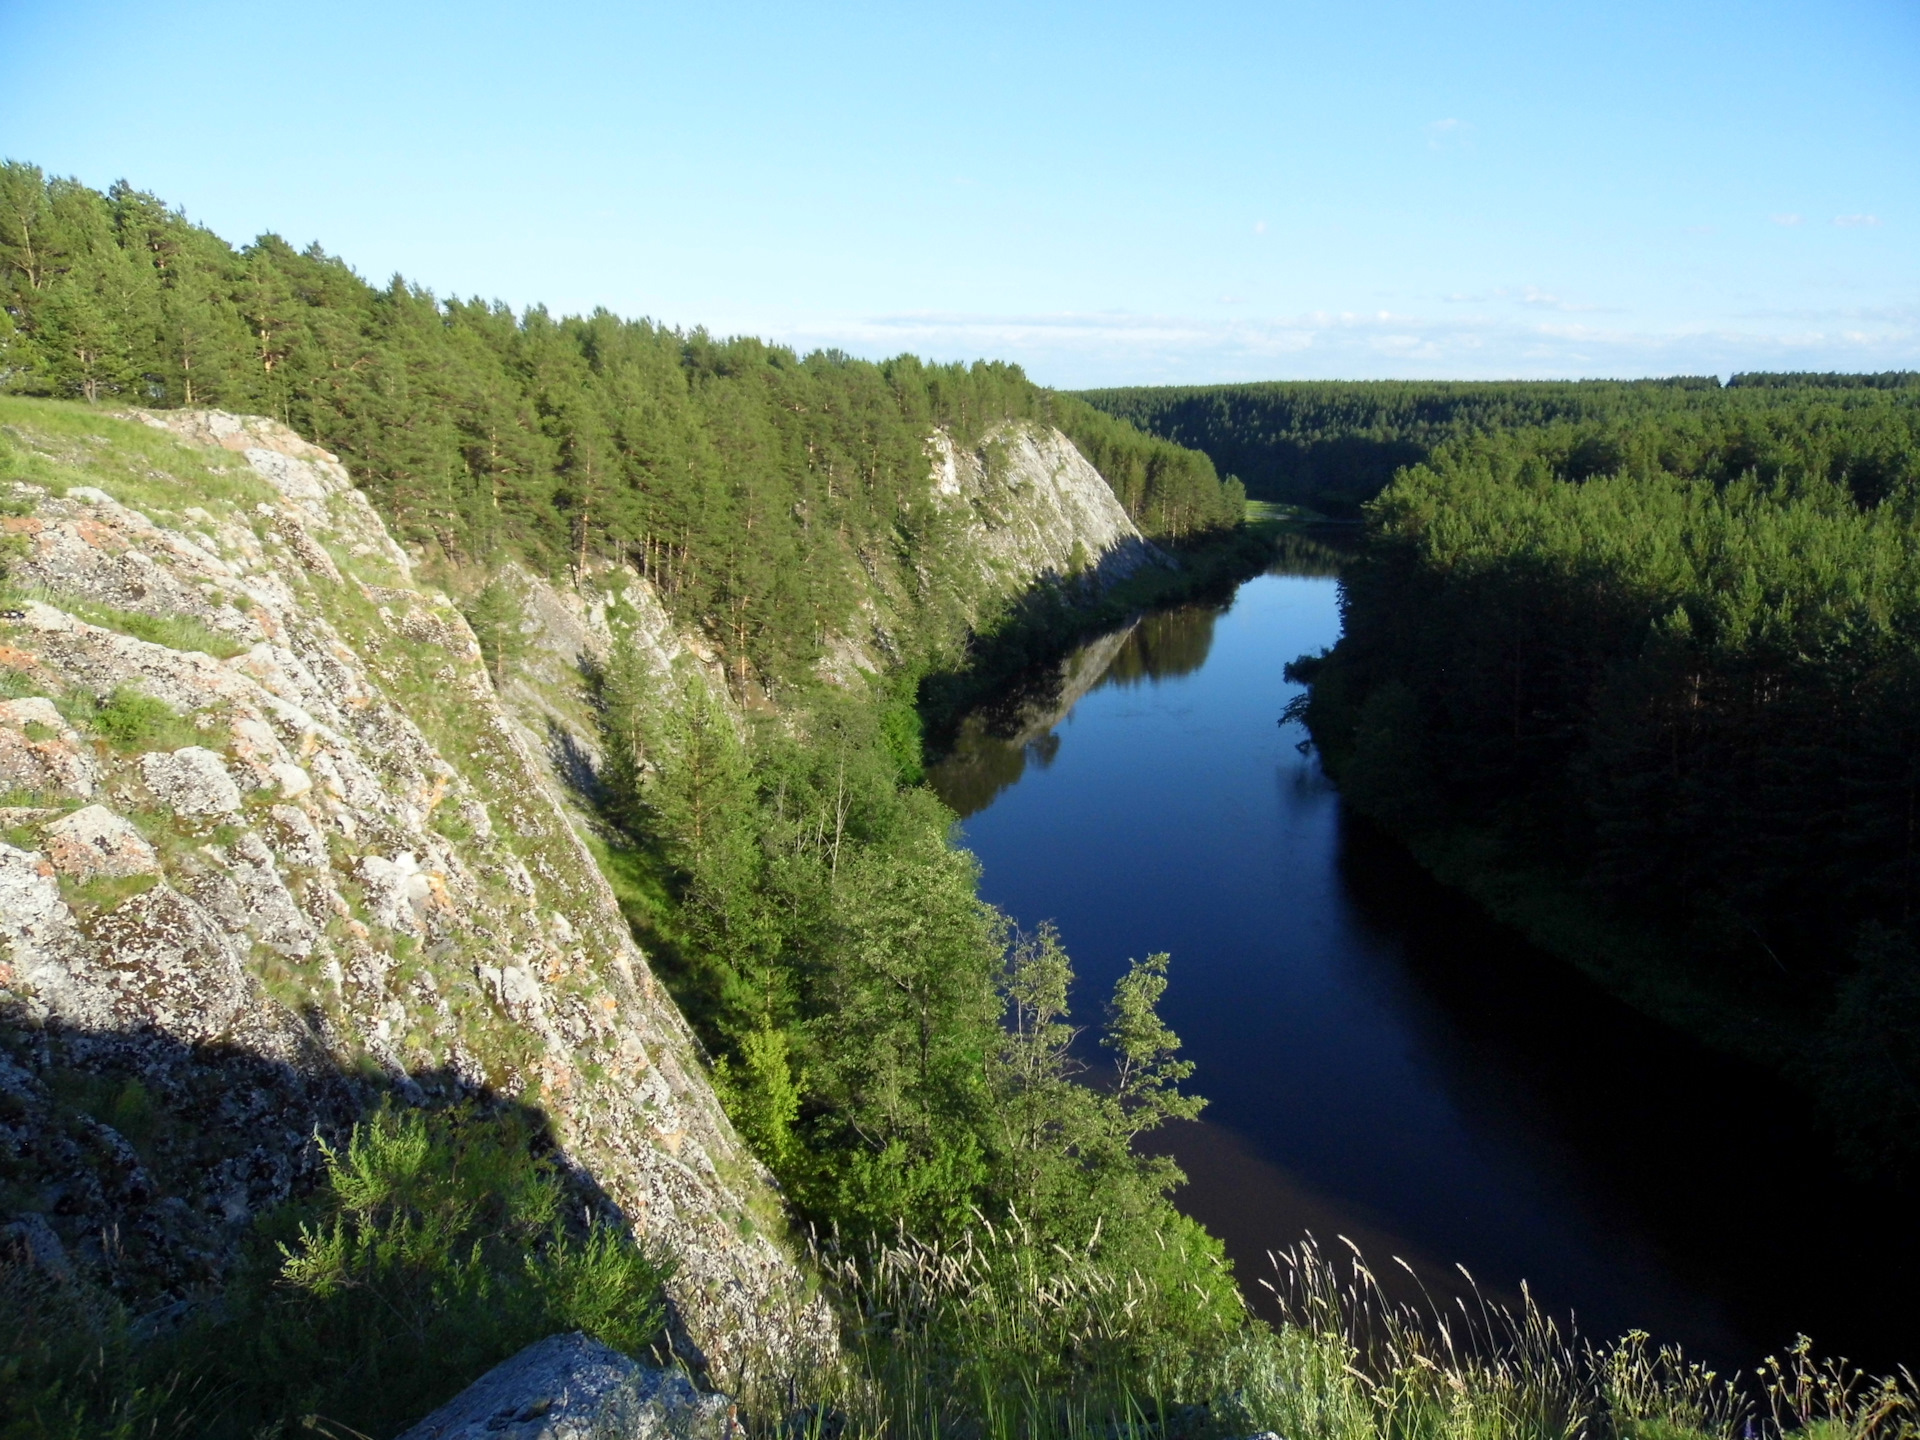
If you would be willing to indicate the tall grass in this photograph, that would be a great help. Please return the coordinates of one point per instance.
(990, 1339)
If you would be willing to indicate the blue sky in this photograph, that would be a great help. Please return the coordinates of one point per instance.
(1108, 194)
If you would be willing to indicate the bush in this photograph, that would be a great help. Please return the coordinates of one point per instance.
(439, 1246)
(131, 720)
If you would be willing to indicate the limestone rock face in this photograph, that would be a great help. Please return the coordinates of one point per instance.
(568, 1387)
(359, 880)
(1030, 505)
(191, 781)
(362, 877)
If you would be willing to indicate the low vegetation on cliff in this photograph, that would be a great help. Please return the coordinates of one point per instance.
(329, 1071)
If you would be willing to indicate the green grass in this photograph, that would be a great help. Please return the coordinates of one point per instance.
(58, 444)
(176, 631)
(989, 1341)
(130, 720)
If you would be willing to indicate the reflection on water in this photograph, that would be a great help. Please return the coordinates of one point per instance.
(1382, 1062)
(997, 742)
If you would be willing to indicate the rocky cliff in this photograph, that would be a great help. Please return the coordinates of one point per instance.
(273, 845)
(1030, 505)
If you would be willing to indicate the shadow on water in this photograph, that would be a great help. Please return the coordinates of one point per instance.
(995, 743)
(1717, 1168)
(1384, 1062)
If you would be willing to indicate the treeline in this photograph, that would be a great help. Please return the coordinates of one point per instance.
(1332, 446)
(1650, 684)
(762, 491)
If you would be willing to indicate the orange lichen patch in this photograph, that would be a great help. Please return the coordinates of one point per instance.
(13, 658)
(431, 796)
(555, 967)
(556, 1076)
(22, 524)
(98, 535)
(8, 975)
(671, 1140)
(268, 626)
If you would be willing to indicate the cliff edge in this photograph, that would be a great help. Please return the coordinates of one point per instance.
(270, 848)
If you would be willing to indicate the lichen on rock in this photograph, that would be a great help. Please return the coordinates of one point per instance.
(345, 888)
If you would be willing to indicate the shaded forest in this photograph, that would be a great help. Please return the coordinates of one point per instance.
(1333, 445)
(1649, 685)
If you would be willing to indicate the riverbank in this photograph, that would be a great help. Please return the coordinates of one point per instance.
(1382, 1060)
(1039, 628)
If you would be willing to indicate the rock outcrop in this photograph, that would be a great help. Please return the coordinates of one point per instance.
(1031, 505)
(273, 845)
(326, 866)
(568, 1387)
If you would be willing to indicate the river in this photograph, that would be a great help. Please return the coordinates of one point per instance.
(1383, 1063)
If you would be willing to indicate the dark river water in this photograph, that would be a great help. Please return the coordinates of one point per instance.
(1383, 1063)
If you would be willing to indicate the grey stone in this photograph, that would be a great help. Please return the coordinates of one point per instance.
(193, 781)
(96, 842)
(39, 1245)
(569, 1387)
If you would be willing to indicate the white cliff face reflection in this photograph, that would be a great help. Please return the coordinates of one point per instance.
(1382, 1063)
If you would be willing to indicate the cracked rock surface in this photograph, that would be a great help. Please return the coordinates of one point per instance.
(336, 870)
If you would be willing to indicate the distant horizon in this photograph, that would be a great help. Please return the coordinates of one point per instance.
(1104, 195)
(813, 344)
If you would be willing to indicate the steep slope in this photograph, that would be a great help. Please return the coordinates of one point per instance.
(275, 846)
(1031, 505)
(323, 867)
(1022, 505)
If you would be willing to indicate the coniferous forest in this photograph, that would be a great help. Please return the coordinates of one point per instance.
(1646, 680)
(1333, 445)
(750, 484)
(1664, 634)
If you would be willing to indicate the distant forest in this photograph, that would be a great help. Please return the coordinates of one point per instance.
(757, 488)
(1333, 445)
(1647, 682)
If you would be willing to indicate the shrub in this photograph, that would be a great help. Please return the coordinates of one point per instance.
(130, 720)
(69, 1369)
(439, 1246)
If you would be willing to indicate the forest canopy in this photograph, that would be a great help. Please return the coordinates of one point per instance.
(1333, 445)
(757, 488)
(1649, 683)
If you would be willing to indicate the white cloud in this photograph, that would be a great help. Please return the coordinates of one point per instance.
(1259, 227)
(1787, 219)
(1078, 349)
(1855, 222)
(1449, 134)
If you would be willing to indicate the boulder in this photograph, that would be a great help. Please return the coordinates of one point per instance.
(193, 781)
(569, 1387)
(95, 842)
